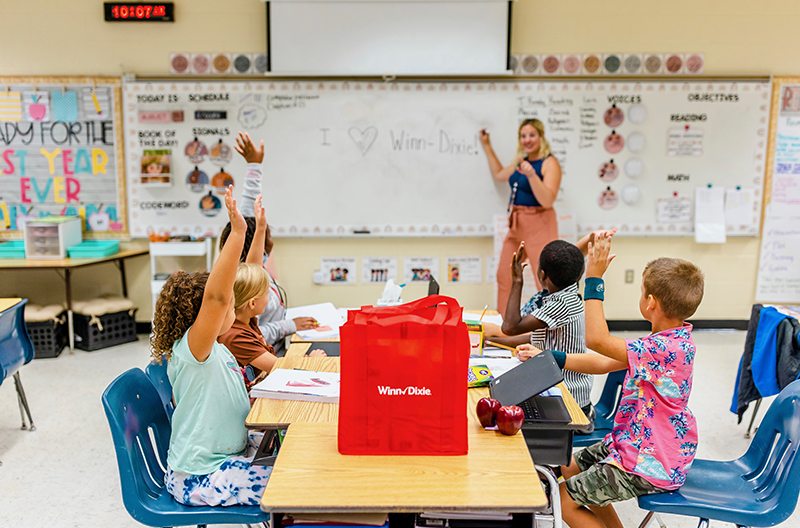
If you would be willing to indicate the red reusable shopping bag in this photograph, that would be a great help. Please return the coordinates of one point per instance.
(404, 379)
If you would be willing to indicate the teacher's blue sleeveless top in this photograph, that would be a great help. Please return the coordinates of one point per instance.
(524, 194)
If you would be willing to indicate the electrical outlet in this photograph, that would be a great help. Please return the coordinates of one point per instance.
(628, 276)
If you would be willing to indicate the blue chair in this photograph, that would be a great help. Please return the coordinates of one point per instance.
(605, 410)
(158, 376)
(140, 429)
(16, 349)
(758, 489)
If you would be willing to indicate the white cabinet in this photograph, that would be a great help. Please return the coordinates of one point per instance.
(49, 237)
(175, 249)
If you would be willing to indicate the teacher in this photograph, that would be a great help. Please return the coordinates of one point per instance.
(534, 177)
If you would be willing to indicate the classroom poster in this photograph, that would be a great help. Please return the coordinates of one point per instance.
(778, 270)
(420, 269)
(468, 270)
(378, 269)
(50, 166)
(338, 270)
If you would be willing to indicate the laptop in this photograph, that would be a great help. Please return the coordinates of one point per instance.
(433, 287)
(521, 386)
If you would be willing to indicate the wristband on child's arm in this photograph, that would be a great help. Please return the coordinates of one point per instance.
(560, 357)
(593, 288)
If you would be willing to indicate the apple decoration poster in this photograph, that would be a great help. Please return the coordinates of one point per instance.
(60, 157)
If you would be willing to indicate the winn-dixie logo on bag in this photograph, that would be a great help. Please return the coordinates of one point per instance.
(385, 390)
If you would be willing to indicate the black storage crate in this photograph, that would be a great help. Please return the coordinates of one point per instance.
(49, 337)
(118, 328)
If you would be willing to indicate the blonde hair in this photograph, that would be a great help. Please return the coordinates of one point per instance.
(544, 146)
(676, 284)
(252, 282)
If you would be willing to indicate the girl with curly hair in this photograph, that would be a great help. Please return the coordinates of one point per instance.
(206, 461)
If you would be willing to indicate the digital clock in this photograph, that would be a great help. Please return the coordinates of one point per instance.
(139, 12)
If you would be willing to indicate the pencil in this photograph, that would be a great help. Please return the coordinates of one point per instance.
(483, 313)
(498, 345)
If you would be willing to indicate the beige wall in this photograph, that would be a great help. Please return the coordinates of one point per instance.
(738, 37)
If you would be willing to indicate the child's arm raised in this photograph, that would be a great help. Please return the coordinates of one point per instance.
(597, 336)
(255, 255)
(252, 180)
(218, 294)
(583, 243)
(513, 322)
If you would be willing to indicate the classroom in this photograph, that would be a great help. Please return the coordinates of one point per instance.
(399, 149)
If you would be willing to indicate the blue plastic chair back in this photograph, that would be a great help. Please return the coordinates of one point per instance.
(140, 430)
(759, 489)
(16, 348)
(158, 376)
(605, 410)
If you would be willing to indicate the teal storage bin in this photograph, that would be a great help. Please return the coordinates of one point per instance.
(14, 249)
(93, 249)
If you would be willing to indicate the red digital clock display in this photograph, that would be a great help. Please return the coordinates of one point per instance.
(144, 12)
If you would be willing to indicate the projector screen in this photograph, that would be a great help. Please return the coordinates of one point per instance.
(388, 38)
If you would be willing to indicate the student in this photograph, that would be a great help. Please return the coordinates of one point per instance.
(654, 439)
(206, 461)
(271, 321)
(556, 318)
(244, 339)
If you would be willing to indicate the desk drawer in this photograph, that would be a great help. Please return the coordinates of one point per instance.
(550, 447)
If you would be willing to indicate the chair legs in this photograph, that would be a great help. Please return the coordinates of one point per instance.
(649, 516)
(23, 403)
(555, 495)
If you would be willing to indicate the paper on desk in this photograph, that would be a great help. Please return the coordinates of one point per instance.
(494, 319)
(498, 366)
(709, 215)
(326, 315)
(490, 351)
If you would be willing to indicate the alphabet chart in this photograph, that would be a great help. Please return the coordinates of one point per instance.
(61, 152)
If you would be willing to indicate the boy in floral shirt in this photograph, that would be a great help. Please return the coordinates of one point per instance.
(654, 439)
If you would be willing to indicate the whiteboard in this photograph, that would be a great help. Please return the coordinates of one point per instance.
(360, 158)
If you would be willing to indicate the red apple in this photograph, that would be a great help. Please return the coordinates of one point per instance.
(509, 419)
(37, 111)
(487, 411)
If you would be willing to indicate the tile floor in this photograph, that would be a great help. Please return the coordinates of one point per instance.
(65, 475)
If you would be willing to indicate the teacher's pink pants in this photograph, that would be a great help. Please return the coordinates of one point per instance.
(536, 226)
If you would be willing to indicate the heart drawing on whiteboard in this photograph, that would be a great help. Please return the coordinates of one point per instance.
(363, 138)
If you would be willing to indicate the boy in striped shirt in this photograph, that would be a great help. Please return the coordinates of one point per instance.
(554, 316)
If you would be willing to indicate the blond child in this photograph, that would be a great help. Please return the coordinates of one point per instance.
(654, 440)
(206, 460)
(244, 339)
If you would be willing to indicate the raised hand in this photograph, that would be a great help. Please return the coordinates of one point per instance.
(246, 147)
(518, 262)
(238, 224)
(599, 256)
(261, 214)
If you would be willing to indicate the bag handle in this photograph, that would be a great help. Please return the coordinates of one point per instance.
(444, 306)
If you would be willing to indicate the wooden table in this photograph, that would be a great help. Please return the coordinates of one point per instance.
(311, 476)
(68, 264)
(278, 414)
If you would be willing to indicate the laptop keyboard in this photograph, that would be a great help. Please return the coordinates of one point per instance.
(530, 409)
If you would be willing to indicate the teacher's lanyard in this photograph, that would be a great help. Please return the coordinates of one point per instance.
(513, 196)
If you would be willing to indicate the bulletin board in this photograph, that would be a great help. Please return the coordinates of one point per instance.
(361, 158)
(779, 262)
(61, 153)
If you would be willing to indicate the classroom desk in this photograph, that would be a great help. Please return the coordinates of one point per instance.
(311, 476)
(68, 264)
(278, 414)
